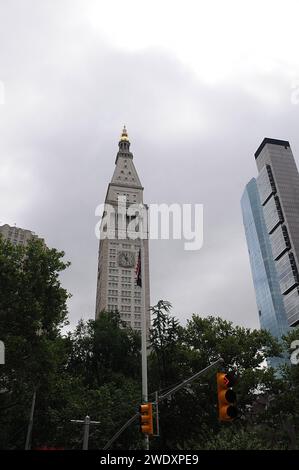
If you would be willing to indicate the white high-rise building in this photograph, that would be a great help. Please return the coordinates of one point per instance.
(16, 235)
(116, 285)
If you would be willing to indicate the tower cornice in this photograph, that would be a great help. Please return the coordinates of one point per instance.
(127, 186)
(267, 140)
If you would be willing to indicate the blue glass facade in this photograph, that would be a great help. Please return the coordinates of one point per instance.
(271, 309)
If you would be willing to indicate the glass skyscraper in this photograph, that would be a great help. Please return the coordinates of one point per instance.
(271, 309)
(278, 186)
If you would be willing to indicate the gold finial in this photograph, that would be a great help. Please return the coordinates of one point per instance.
(124, 135)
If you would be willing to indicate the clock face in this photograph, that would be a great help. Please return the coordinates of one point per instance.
(126, 259)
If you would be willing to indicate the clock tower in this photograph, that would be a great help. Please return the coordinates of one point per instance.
(118, 253)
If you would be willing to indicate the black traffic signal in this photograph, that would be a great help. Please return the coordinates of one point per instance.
(146, 418)
(227, 410)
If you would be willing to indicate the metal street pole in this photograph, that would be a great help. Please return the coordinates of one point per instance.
(86, 422)
(157, 414)
(30, 424)
(143, 332)
(86, 432)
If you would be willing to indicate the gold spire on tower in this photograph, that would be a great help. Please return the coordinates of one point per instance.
(124, 135)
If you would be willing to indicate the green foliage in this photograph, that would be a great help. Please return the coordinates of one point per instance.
(96, 370)
(103, 350)
(240, 347)
(238, 438)
(189, 419)
(166, 338)
(32, 311)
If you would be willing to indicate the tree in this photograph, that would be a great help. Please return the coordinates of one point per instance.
(104, 349)
(106, 355)
(32, 311)
(165, 336)
(281, 411)
(191, 414)
(95, 370)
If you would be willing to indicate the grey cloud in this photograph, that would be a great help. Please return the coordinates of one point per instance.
(69, 93)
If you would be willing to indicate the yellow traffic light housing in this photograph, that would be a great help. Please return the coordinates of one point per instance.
(146, 418)
(226, 396)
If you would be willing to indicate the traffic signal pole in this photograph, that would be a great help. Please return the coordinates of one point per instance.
(193, 377)
(143, 336)
(161, 398)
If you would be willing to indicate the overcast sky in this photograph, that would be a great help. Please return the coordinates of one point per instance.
(199, 85)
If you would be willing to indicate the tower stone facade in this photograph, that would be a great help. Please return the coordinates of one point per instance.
(118, 251)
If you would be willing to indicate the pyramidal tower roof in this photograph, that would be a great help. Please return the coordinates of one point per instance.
(125, 173)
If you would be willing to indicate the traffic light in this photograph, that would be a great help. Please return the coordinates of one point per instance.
(226, 396)
(146, 418)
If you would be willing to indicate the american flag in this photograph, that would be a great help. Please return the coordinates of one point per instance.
(138, 271)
